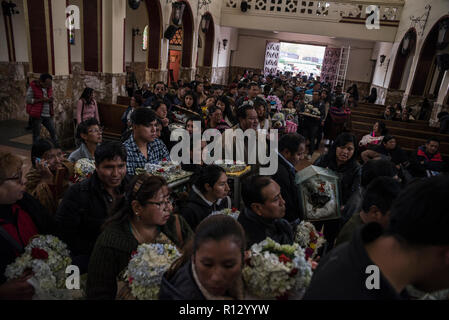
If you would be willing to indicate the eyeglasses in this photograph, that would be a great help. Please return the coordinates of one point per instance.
(161, 203)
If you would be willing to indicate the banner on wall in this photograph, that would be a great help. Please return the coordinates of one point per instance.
(272, 51)
(330, 64)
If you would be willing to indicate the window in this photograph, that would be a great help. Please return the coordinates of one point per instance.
(145, 39)
(177, 38)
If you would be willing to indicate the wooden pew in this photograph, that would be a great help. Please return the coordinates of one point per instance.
(409, 143)
(110, 115)
(367, 127)
(123, 100)
(389, 123)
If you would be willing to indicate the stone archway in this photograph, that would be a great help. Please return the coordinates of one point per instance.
(403, 61)
(424, 85)
(155, 33)
(186, 72)
(205, 54)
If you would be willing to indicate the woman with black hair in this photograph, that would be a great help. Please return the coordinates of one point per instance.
(372, 97)
(228, 115)
(209, 193)
(49, 176)
(198, 89)
(87, 107)
(215, 120)
(89, 135)
(352, 90)
(389, 150)
(144, 215)
(191, 102)
(375, 137)
(341, 159)
(160, 110)
(211, 266)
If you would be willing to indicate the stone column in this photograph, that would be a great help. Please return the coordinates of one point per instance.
(154, 75)
(438, 105)
(113, 22)
(187, 74)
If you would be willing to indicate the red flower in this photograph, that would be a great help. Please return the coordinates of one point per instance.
(39, 254)
(133, 253)
(309, 252)
(283, 258)
(160, 170)
(130, 280)
(234, 209)
(293, 272)
(164, 159)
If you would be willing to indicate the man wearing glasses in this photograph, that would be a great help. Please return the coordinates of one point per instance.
(264, 212)
(143, 147)
(90, 135)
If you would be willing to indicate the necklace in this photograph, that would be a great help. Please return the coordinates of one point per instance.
(137, 233)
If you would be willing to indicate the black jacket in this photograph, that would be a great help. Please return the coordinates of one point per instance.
(444, 124)
(258, 228)
(196, 209)
(350, 175)
(341, 275)
(81, 214)
(181, 286)
(43, 221)
(285, 178)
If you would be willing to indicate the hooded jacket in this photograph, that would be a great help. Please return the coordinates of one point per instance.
(198, 208)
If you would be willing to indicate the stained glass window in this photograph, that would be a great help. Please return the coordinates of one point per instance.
(177, 38)
(145, 39)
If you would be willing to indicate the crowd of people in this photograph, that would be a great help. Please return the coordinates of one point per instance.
(394, 209)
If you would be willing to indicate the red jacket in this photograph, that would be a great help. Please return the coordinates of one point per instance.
(35, 110)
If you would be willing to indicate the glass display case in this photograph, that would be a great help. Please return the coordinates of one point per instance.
(319, 193)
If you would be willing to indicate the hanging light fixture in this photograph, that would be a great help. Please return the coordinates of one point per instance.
(443, 34)
(205, 22)
(178, 10)
(134, 4)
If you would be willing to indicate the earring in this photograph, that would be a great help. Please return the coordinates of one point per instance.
(138, 216)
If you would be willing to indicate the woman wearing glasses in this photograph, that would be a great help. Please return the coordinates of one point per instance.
(21, 218)
(89, 135)
(143, 216)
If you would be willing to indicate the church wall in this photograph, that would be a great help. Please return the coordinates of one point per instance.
(3, 40)
(76, 49)
(13, 86)
(136, 19)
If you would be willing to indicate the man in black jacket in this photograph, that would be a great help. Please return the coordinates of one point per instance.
(379, 264)
(86, 205)
(292, 148)
(263, 213)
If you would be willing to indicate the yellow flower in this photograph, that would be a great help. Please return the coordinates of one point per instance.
(313, 246)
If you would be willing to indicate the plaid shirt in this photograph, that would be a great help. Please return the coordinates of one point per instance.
(135, 159)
